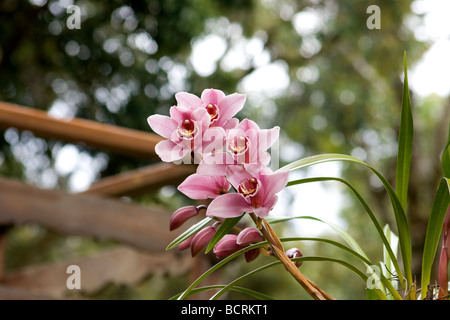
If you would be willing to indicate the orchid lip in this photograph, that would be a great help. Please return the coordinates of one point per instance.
(238, 145)
(249, 187)
(213, 111)
(187, 130)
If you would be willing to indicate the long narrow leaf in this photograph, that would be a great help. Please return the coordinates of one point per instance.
(308, 258)
(405, 143)
(250, 292)
(345, 235)
(389, 262)
(399, 213)
(434, 230)
(446, 157)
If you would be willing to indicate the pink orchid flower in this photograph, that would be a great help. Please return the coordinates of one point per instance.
(203, 187)
(255, 193)
(184, 131)
(221, 108)
(244, 145)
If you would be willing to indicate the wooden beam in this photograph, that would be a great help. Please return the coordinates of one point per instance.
(141, 180)
(85, 215)
(119, 265)
(116, 139)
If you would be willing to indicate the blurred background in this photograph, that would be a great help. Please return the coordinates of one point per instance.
(313, 68)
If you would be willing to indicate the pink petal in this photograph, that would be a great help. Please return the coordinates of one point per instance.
(202, 118)
(169, 151)
(188, 100)
(212, 96)
(212, 169)
(229, 106)
(274, 183)
(247, 124)
(228, 206)
(213, 140)
(231, 124)
(162, 125)
(215, 164)
(267, 138)
(266, 208)
(179, 114)
(202, 187)
(236, 174)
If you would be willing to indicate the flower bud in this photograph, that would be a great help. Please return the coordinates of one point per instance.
(249, 236)
(181, 215)
(185, 244)
(201, 239)
(295, 253)
(251, 255)
(226, 246)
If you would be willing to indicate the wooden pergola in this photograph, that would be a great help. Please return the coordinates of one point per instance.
(97, 212)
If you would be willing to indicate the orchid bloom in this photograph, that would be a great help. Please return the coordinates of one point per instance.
(255, 193)
(184, 131)
(221, 108)
(245, 145)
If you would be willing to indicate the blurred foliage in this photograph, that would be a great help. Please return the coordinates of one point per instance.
(336, 87)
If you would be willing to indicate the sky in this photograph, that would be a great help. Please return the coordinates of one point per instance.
(431, 74)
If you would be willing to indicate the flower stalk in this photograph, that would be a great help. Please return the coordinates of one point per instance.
(278, 251)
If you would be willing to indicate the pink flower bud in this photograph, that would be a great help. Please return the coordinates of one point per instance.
(185, 244)
(201, 239)
(251, 255)
(181, 215)
(226, 246)
(294, 253)
(249, 236)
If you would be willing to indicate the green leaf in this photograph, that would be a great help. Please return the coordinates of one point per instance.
(224, 229)
(446, 157)
(389, 262)
(405, 143)
(345, 235)
(399, 213)
(189, 232)
(253, 293)
(434, 229)
(309, 258)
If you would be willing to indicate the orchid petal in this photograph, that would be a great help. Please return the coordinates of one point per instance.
(169, 151)
(212, 96)
(229, 106)
(268, 205)
(228, 206)
(236, 174)
(274, 183)
(162, 125)
(202, 187)
(188, 100)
